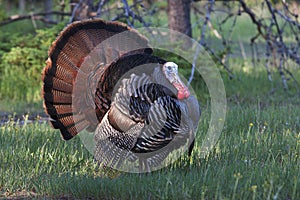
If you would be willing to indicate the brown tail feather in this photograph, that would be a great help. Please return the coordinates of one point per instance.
(69, 124)
(56, 96)
(57, 84)
(58, 71)
(78, 127)
(79, 43)
(71, 120)
(59, 109)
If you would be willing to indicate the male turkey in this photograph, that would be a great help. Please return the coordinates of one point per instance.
(102, 76)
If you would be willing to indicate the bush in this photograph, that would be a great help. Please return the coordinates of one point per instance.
(23, 58)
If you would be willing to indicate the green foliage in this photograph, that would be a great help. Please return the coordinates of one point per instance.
(23, 58)
(2, 12)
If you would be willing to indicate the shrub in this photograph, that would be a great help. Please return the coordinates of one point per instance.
(22, 60)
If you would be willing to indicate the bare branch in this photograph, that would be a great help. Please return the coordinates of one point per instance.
(35, 16)
(209, 8)
(273, 33)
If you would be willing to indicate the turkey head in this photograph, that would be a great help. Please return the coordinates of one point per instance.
(170, 70)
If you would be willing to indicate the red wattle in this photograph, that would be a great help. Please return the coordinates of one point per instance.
(183, 93)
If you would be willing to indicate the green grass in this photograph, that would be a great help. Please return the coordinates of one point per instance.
(257, 156)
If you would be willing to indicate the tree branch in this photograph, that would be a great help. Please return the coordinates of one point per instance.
(38, 16)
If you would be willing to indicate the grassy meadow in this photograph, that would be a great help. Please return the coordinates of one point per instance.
(256, 157)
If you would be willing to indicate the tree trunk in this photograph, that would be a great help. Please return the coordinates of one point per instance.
(21, 6)
(48, 8)
(179, 18)
(82, 10)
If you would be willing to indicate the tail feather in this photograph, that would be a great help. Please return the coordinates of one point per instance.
(69, 63)
(80, 53)
(56, 96)
(73, 124)
(60, 71)
(72, 54)
(71, 120)
(59, 110)
(57, 84)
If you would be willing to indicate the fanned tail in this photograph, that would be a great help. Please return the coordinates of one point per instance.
(79, 56)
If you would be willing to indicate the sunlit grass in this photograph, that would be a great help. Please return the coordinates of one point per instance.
(257, 156)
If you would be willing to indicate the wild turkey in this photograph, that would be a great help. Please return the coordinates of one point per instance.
(102, 76)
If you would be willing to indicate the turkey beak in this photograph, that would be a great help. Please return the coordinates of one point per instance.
(182, 90)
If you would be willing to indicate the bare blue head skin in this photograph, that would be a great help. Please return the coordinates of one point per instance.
(170, 70)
